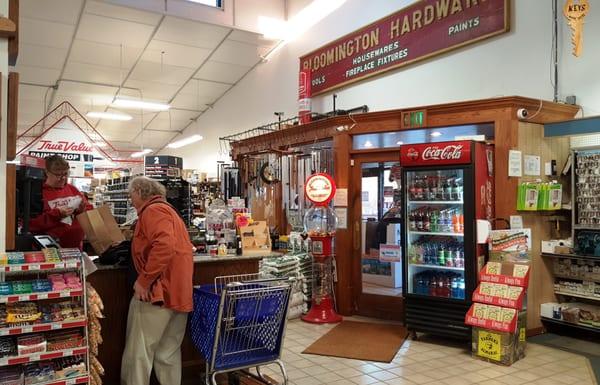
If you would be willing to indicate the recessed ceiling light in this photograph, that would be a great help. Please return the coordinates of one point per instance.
(141, 105)
(109, 115)
(399, 143)
(139, 154)
(368, 144)
(435, 134)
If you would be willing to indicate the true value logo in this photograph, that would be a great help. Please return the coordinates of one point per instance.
(63, 146)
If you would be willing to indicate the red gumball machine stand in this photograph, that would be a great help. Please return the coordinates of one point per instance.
(320, 222)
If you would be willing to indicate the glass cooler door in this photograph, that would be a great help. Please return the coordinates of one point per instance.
(434, 224)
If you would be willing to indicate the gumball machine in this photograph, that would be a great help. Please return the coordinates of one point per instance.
(320, 223)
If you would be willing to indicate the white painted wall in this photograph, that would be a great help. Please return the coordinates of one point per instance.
(515, 63)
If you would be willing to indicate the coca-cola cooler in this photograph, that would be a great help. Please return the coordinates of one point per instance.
(447, 186)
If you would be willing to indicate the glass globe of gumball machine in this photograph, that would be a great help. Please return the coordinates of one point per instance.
(320, 223)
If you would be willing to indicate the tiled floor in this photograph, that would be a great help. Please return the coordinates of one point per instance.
(425, 361)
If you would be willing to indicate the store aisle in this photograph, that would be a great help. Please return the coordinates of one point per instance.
(425, 361)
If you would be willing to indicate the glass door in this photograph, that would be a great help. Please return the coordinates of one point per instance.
(434, 223)
(380, 228)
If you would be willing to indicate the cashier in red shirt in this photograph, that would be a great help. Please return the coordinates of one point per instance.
(62, 202)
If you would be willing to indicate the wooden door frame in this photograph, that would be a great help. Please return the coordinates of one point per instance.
(369, 305)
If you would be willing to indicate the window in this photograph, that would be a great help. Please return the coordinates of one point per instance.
(212, 3)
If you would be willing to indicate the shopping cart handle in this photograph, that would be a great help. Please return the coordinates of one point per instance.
(259, 281)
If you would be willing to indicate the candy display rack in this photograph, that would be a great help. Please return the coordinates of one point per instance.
(43, 318)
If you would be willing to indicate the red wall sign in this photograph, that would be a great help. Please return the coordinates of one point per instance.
(319, 189)
(421, 30)
(440, 153)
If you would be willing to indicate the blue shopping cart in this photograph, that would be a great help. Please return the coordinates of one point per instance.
(239, 323)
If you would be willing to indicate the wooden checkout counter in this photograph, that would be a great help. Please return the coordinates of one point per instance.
(113, 285)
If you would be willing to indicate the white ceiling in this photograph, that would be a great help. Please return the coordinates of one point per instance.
(88, 48)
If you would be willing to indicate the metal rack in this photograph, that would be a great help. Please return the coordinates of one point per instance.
(29, 270)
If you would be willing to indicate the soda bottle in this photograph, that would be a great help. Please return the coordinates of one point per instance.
(434, 221)
(458, 189)
(432, 189)
(412, 223)
(461, 288)
(418, 189)
(461, 222)
(427, 221)
(456, 222)
(448, 191)
(419, 220)
(441, 256)
(454, 287)
(432, 286)
(412, 190)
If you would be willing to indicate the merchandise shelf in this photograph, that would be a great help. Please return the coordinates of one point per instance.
(16, 360)
(578, 295)
(436, 233)
(571, 324)
(68, 381)
(42, 266)
(41, 295)
(436, 267)
(44, 327)
(435, 202)
(571, 256)
(577, 278)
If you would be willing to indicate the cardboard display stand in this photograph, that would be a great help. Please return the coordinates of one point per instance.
(256, 239)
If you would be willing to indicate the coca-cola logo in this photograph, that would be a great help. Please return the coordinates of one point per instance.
(64, 146)
(450, 152)
(412, 154)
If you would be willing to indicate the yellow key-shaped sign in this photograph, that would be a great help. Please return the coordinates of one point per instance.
(575, 12)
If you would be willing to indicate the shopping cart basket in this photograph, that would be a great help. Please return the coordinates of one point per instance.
(239, 322)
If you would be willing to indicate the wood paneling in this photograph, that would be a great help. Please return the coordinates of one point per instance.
(13, 42)
(11, 206)
(12, 115)
(343, 237)
(532, 142)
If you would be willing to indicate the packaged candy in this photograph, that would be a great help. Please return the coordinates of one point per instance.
(15, 258)
(7, 347)
(21, 287)
(38, 372)
(29, 344)
(5, 288)
(34, 257)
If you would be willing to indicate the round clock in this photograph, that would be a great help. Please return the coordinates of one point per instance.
(268, 174)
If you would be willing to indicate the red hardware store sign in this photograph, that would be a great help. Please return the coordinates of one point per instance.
(414, 33)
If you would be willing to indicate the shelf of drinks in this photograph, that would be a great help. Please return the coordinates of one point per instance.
(577, 295)
(435, 202)
(586, 227)
(16, 360)
(437, 267)
(116, 192)
(41, 266)
(435, 233)
(572, 324)
(67, 381)
(43, 327)
(12, 298)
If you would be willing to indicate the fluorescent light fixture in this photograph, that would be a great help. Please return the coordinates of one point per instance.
(109, 116)
(399, 143)
(212, 3)
(100, 144)
(139, 154)
(435, 134)
(185, 141)
(140, 105)
(368, 144)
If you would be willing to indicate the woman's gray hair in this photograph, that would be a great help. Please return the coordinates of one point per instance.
(147, 187)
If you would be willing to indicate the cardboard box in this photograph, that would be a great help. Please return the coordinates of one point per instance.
(100, 228)
(500, 295)
(500, 347)
(256, 238)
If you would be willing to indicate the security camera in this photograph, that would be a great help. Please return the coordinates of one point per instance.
(522, 113)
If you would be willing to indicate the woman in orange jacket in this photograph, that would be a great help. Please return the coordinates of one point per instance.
(162, 256)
